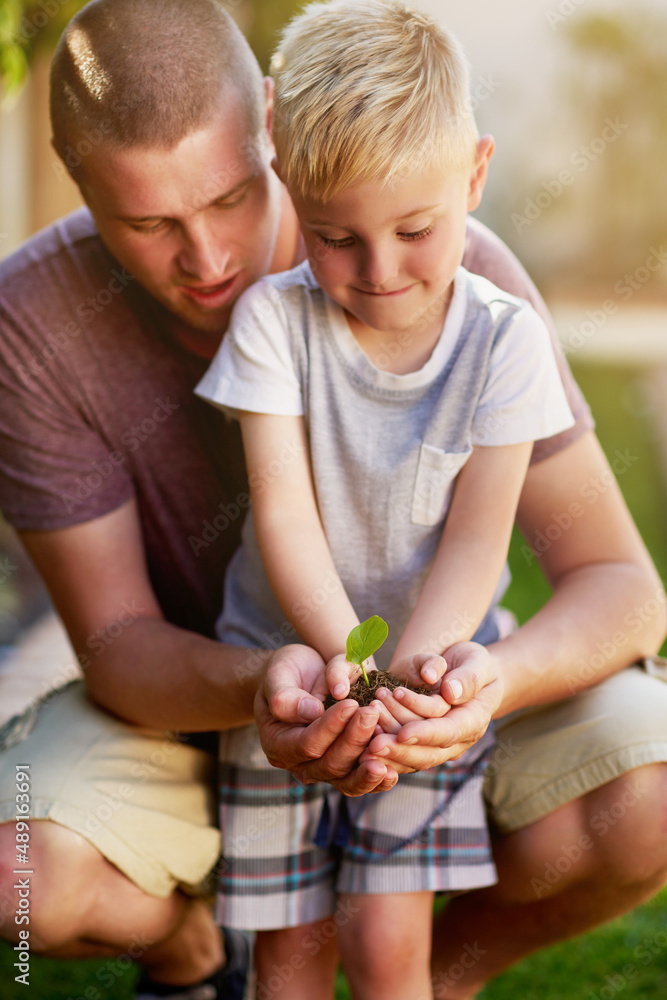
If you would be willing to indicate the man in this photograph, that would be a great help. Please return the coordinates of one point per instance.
(128, 493)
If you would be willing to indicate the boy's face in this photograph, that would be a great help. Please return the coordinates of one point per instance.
(388, 255)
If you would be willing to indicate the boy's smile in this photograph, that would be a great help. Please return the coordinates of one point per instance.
(388, 255)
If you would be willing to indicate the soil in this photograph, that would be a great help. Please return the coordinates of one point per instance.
(364, 695)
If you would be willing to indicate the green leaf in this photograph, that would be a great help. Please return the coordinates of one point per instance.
(365, 639)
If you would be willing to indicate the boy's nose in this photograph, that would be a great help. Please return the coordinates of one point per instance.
(378, 267)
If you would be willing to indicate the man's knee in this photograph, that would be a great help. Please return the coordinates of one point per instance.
(615, 832)
(628, 818)
(50, 895)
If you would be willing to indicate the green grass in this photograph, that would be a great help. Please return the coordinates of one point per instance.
(627, 957)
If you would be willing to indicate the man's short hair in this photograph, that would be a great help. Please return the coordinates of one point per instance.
(368, 90)
(148, 73)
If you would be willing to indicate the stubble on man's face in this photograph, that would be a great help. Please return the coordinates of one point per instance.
(196, 224)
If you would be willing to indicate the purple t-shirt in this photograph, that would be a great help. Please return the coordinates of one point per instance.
(96, 406)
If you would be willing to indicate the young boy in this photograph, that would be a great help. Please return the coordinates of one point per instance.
(388, 402)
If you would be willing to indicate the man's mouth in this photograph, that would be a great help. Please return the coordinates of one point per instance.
(213, 296)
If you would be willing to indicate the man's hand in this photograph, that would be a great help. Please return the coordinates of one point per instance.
(298, 735)
(474, 689)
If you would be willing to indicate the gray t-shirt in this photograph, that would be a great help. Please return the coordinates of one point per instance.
(385, 449)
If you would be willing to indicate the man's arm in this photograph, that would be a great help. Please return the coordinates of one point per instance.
(136, 664)
(156, 674)
(608, 607)
(607, 610)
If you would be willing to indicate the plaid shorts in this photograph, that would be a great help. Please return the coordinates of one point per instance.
(426, 834)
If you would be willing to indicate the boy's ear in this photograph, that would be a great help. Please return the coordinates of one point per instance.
(268, 93)
(485, 148)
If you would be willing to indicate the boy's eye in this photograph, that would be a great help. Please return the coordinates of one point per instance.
(419, 235)
(328, 242)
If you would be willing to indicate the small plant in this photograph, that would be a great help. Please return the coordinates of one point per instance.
(364, 640)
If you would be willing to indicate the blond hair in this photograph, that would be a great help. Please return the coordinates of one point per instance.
(149, 73)
(368, 90)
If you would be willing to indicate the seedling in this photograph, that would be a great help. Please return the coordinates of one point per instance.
(364, 640)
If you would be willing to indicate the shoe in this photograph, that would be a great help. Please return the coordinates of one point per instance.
(228, 983)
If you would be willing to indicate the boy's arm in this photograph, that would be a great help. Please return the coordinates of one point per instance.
(289, 532)
(472, 551)
(465, 573)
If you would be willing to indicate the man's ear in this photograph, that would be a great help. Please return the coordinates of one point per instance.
(62, 169)
(276, 168)
(485, 148)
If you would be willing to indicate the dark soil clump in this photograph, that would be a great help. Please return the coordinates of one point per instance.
(364, 695)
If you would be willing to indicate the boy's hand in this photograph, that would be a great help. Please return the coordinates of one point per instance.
(473, 687)
(402, 705)
(421, 668)
(340, 672)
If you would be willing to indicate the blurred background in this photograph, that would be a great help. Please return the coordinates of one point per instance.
(575, 93)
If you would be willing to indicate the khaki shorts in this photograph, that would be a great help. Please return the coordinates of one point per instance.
(140, 797)
(545, 757)
(144, 801)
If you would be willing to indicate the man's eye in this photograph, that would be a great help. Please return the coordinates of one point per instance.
(419, 235)
(336, 244)
(231, 200)
(145, 228)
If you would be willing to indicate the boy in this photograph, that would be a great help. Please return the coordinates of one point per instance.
(415, 392)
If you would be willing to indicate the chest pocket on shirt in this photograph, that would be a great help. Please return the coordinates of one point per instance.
(436, 472)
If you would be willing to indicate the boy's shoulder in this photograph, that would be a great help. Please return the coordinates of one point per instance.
(483, 296)
(484, 292)
(281, 291)
(299, 278)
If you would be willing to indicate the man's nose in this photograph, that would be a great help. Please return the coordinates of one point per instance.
(203, 256)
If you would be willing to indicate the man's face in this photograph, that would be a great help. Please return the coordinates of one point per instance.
(195, 224)
(388, 255)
